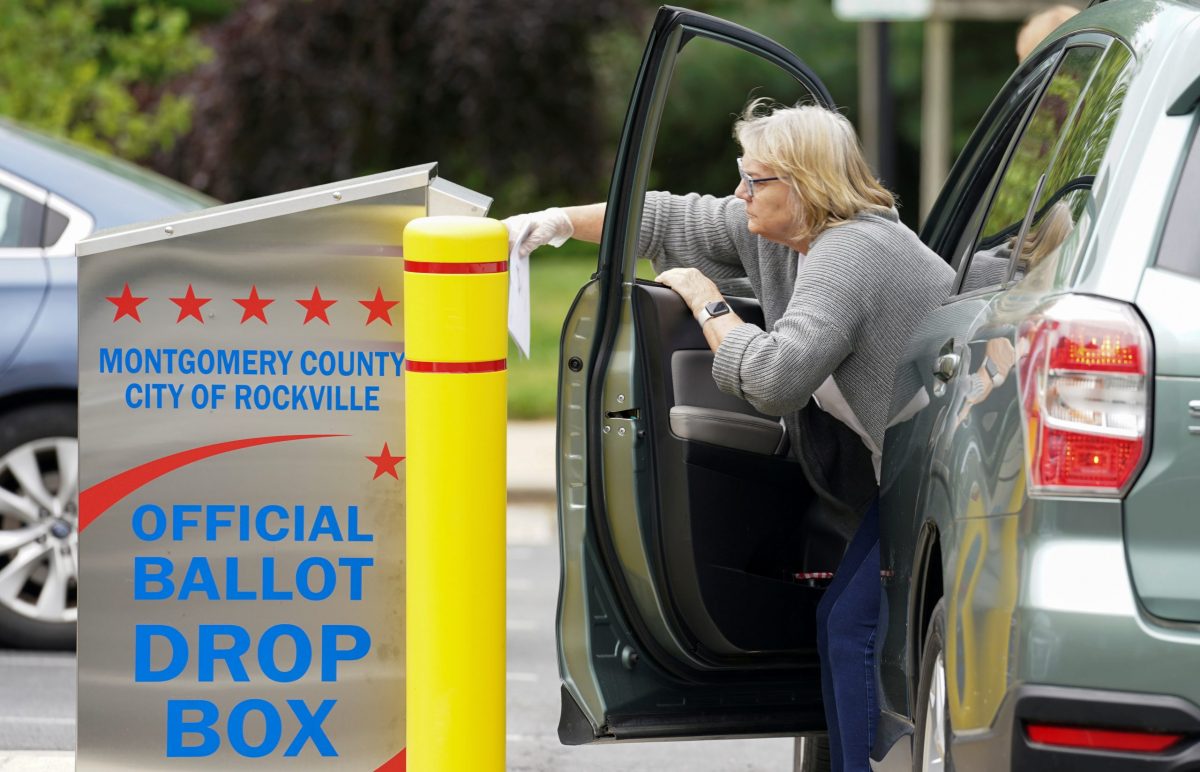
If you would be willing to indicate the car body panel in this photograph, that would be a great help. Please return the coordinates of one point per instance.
(23, 269)
(1149, 151)
(23, 282)
(1162, 531)
(1041, 590)
(48, 359)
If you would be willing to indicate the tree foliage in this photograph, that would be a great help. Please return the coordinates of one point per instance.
(717, 76)
(500, 92)
(87, 69)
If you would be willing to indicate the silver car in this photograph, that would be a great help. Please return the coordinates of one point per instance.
(51, 195)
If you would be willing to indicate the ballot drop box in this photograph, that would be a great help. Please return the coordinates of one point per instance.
(242, 476)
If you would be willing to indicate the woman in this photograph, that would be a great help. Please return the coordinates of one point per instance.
(842, 286)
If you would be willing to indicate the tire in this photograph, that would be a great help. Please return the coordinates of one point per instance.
(933, 725)
(39, 536)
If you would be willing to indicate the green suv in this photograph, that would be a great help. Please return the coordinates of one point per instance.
(1040, 543)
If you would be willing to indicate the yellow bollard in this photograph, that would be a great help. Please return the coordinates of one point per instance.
(456, 382)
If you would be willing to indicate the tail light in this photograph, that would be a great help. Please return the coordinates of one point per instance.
(1084, 377)
(1130, 741)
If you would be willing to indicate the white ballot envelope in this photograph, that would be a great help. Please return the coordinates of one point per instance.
(518, 294)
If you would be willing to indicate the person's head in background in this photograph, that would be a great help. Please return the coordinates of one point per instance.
(1038, 25)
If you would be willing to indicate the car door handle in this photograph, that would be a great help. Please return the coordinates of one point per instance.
(946, 367)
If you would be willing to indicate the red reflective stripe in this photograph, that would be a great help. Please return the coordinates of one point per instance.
(1101, 739)
(494, 366)
(416, 266)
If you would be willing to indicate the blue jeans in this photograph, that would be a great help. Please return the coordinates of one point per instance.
(847, 617)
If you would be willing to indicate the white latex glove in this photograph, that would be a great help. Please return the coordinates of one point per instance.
(549, 226)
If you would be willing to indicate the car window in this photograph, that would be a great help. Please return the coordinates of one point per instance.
(54, 227)
(1018, 179)
(1066, 193)
(1180, 249)
(20, 220)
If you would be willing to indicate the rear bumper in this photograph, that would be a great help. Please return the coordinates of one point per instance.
(1006, 747)
(1122, 710)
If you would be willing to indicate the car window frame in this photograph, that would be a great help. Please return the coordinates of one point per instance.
(958, 210)
(79, 222)
(1177, 227)
(33, 193)
(80, 225)
(961, 260)
(972, 174)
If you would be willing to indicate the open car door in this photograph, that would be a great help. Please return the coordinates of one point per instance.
(693, 549)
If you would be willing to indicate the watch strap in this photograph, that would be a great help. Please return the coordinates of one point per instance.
(705, 314)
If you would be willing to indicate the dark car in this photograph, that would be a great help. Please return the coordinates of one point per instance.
(51, 195)
(1041, 545)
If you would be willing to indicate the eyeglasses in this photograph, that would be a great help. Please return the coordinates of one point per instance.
(746, 178)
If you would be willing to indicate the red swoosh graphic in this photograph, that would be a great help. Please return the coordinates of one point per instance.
(96, 500)
(397, 763)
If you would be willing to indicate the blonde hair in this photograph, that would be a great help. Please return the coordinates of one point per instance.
(817, 153)
(1047, 235)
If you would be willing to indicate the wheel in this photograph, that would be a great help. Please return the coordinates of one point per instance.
(932, 737)
(39, 533)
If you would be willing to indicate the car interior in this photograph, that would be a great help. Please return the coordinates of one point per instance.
(745, 572)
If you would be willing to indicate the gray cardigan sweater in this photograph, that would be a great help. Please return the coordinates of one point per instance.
(864, 287)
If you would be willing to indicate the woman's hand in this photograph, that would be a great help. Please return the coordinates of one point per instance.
(695, 288)
(550, 226)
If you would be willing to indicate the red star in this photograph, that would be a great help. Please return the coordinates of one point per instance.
(127, 304)
(379, 307)
(254, 306)
(385, 463)
(316, 307)
(189, 305)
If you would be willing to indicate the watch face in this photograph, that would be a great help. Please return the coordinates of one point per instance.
(716, 308)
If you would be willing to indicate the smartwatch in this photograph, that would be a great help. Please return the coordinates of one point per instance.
(993, 371)
(710, 310)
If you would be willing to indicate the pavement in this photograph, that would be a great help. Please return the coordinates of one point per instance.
(531, 461)
(37, 761)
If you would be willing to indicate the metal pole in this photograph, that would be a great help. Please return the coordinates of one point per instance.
(935, 110)
(877, 123)
(456, 325)
(868, 92)
(887, 106)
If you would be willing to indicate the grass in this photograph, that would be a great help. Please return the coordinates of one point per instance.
(555, 278)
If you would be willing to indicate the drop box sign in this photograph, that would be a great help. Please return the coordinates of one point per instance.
(241, 427)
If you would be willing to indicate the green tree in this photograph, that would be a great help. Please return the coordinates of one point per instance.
(983, 61)
(500, 92)
(93, 71)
